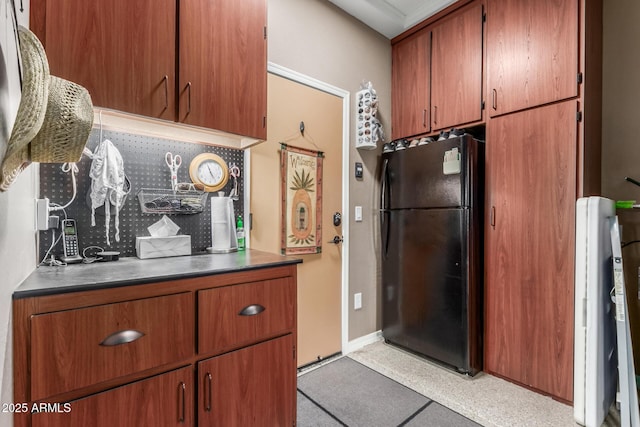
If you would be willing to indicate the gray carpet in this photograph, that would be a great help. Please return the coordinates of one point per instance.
(347, 393)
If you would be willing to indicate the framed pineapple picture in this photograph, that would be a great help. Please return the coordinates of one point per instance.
(301, 177)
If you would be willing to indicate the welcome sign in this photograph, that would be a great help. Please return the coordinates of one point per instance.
(301, 179)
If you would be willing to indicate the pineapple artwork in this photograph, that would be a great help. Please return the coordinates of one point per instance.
(301, 200)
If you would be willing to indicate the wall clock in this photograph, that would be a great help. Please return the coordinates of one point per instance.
(209, 170)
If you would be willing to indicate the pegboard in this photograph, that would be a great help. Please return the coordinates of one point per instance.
(144, 165)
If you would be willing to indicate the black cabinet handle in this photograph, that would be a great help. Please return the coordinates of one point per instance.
(492, 217)
(494, 101)
(182, 390)
(208, 405)
(189, 98)
(166, 92)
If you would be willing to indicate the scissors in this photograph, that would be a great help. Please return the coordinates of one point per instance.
(174, 163)
(234, 171)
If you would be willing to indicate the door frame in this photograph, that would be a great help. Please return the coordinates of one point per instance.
(297, 77)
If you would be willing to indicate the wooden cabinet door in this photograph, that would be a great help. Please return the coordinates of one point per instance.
(456, 69)
(123, 52)
(252, 386)
(410, 86)
(532, 53)
(163, 400)
(529, 254)
(223, 65)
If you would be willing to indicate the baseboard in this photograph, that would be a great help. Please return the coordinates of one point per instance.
(365, 340)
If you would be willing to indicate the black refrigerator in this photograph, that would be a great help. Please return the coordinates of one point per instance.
(432, 251)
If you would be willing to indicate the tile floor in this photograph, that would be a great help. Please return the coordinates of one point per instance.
(485, 399)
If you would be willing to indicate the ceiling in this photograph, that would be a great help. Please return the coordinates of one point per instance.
(391, 17)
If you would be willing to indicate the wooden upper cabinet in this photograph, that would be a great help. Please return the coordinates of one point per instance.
(410, 85)
(456, 69)
(123, 52)
(532, 53)
(529, 242)
(223, 65)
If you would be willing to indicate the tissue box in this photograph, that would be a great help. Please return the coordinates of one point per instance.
(159, 247)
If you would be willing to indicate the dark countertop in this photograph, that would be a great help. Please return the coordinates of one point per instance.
(133, 271)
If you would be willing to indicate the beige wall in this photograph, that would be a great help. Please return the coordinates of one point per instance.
(315, 38)
(621, 133)
(17, 241)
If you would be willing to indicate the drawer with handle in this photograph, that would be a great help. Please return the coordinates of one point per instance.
(76, 348)
(233, 316)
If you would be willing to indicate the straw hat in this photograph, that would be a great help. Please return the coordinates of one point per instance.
(32, 108)
(54, 117)
(66, 126)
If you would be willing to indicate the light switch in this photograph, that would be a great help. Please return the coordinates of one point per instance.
(358, 214)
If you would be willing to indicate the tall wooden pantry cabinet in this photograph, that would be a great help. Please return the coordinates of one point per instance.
(543, 151)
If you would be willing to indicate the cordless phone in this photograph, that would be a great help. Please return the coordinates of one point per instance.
(70, 241)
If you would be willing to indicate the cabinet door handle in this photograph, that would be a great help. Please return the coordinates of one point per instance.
(424, 118)
(252, 310)
(166, 92)
(207, 403)
(182, 403)
(492, 217)
(188, 97)
(435, 114)
(121, 337)
(494, 101)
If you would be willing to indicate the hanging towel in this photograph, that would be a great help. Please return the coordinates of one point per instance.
(107, 185)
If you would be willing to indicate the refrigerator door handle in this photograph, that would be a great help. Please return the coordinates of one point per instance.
(383, 191)
(384, 222)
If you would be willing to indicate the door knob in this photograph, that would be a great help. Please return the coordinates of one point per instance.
(335, 240)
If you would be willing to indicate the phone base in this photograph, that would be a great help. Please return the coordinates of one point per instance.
(71, 259)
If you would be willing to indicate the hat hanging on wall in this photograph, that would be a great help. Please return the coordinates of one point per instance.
(66, 126)
(54, 117)
(32, 107)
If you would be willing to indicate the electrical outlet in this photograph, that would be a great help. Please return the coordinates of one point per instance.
(42, 214)
(357, 301)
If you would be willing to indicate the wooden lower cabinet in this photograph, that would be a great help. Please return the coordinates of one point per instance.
(261, 377)
(163, 400)
(128, 357)
(529, 252)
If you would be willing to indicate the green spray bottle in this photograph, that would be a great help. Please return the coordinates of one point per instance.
(240, 233)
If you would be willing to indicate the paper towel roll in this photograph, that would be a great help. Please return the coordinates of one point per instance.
(223, 229)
